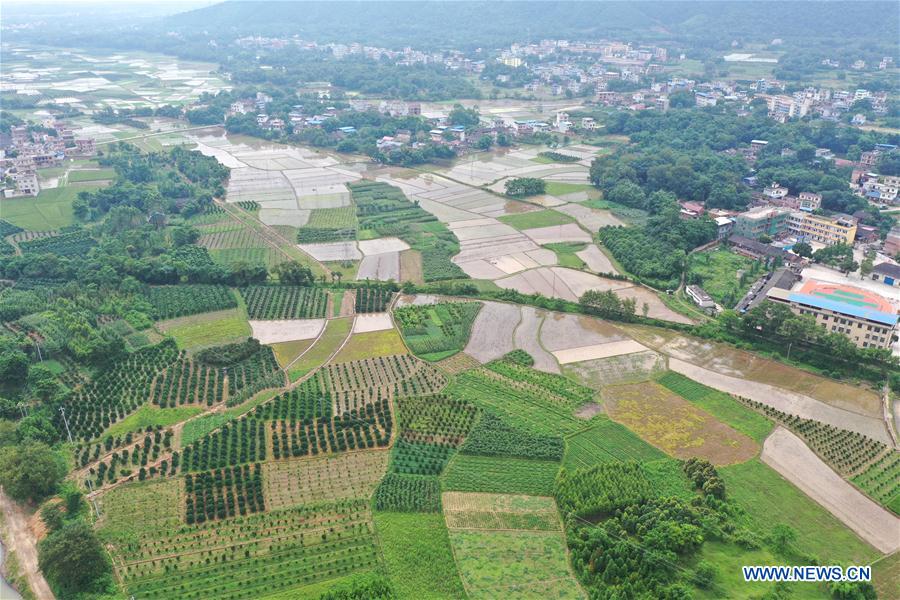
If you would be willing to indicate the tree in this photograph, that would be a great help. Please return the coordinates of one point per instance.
(30, 472)
(781, 537)
(293, 273)
(467, 117)
(525, 186)
(73, 560)
(803, 249)
(485, 142)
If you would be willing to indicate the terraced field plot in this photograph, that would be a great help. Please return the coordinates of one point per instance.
(437, 331)
(468, 510)
(257, 555)
(500, 475)
(313, 480)
(606, 441)
(514, 564)
(676, 426)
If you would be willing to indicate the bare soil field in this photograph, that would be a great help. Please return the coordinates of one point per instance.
(785, 400)
(527, 338)
(590, 218)
(562, 331)
(596, 261)
(626, 368)
(372, 322)
(569, 232)
(787, 454)
(727, 360)
(573, 355)
(492, 332)
(676, 426)
(273, 332)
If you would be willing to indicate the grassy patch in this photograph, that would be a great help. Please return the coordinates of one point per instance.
(335, 333)
(716, 272)
(514, 564)
(676, 426)
(770, 500)
(371, 344)
(51, 209)
(502, 475)
(417, 555)
(560, 188)
(607, 441)
(565, 253)
(719, 404)
(200, 332)
(93, 175)
(285, 352)
(149, 415)
(632, 216)
(536, 218)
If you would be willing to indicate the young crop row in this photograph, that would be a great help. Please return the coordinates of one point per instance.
(188, 382)
(437, 419)
(881, 480)
(253, 556)
(372, 299)
(123, 463)
(223, 493)
(369, 427)
(356, 382)
(74, 243)
(170, 301)
(408, 493)
(522, 405)
(235, 443)
(116, 392)
(492, 436)
(416, 458)
(285, 302)
(573, 393)
(847, 451)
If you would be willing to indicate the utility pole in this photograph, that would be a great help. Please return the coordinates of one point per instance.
(62, 409)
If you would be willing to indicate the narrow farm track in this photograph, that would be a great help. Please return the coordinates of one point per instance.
(21, 540)
(269, 235)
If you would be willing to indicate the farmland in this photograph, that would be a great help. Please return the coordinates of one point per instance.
(675, 426)
(315, 365)
(417, 555)
(437, 331)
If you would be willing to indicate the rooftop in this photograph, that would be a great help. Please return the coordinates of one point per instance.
(852, 310)
(887, 269)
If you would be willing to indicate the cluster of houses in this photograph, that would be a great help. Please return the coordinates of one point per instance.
(26, 149)
(451, 59)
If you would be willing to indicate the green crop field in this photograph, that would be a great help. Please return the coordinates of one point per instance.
(533, 409)
(437, 331)
(152, 416)
(559, 188)
(336, 331)
(500, 474)
(92, 175)
(417, 555)
(209, 329)
(770, 500)
(604, 442)
(51, 209)
(719, 404)
(537, 218)
(565, 254)
(514, 564)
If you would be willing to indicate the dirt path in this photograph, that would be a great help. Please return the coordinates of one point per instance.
(785, 401)
(787, 454)
(21, 540)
